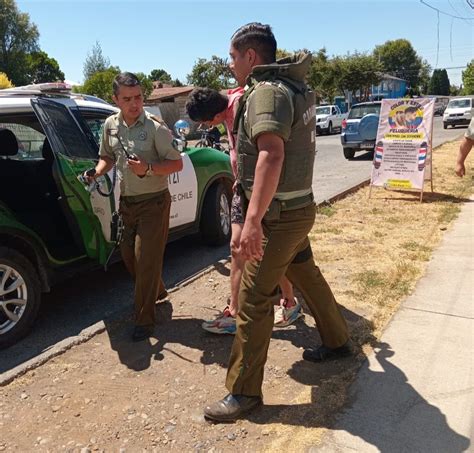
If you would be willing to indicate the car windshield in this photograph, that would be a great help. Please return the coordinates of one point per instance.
(459, 103)
(359, 111)
(323, 111)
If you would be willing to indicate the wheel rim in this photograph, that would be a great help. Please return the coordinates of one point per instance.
(224, 214)
(13, 298)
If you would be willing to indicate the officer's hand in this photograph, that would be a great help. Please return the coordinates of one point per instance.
(251, 241)
(139, 166)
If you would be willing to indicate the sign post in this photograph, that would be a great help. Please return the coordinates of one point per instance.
(403, 149)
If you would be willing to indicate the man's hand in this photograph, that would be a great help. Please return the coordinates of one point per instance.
(251, 241)
(139, 166)
(460, 169)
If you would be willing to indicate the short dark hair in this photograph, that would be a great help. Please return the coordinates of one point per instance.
(256, 36)
(204, 104)
(126, 79)
(411, 110)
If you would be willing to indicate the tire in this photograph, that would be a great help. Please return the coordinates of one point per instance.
(349, 153)
(445, 126)
(201, 144)
(20, 274)
(215, 216)
(330, 130)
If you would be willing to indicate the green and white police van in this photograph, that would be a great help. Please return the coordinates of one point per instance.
(51, 224)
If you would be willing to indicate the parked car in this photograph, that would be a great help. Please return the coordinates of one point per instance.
(328, 118)
(51, 224)
(458, 111)
(359, 131)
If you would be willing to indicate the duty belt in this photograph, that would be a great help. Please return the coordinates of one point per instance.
(290, 204)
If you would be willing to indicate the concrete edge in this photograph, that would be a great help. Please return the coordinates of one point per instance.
(99, 327)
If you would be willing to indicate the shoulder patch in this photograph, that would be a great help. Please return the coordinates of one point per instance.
(265, 100)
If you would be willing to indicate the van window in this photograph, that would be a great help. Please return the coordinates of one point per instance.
(459, 103)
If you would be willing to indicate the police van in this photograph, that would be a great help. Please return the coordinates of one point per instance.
(52, 225)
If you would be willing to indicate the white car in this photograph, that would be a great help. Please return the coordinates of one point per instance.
(328, 118)
(458, 111)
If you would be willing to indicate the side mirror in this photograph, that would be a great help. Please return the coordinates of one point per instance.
(181, 128)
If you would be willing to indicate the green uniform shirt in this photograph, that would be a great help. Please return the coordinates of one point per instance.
(470, 130)
(149, 139)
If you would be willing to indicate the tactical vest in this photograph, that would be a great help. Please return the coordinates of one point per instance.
(297, 171)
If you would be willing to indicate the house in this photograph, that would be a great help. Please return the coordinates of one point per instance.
(390, 87)
(171, 101)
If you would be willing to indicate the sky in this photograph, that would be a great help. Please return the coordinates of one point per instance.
(140, 36)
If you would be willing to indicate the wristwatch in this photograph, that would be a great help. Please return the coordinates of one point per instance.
(149, 170)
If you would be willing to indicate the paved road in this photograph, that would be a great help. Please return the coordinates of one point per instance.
(86, 299)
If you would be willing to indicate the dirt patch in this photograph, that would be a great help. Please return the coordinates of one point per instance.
(110, 394)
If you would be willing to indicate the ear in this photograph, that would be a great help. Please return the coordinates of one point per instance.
(114, 98)
(251, 56)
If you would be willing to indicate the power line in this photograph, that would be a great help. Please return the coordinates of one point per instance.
(470, 3)
(448, 14)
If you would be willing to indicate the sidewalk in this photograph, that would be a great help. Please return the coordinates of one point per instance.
(416, 392)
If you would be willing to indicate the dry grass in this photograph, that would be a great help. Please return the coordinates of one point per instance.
(372, 252)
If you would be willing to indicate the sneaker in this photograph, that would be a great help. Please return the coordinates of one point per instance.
(286, 316)
(224, 323)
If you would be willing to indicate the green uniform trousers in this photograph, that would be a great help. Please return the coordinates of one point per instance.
(143, 244)
(287, 250)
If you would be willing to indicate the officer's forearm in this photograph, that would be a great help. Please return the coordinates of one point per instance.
(267, 175)
(167, 167)
(103, 166)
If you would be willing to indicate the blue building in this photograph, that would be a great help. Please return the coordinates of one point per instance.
(390, 87)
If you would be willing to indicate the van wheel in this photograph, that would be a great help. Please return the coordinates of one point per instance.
(19, 296)
(445, 126)
(349, 153)
(215, 216)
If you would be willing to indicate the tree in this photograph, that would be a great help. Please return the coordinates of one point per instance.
(357, 72)
(400, 59)
(42, 68)
(18, 37)
(454, 90)
(160, 75)
(439, 83)
(100, 84)
(146, 82)
(95, 62)
(322, 76)
(4, 81)
(213, 73)
(468, 79)
(177, 83)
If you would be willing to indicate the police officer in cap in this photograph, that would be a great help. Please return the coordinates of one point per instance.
(141, 148)
(275, 126)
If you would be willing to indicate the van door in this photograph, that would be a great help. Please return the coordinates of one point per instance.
(74, 152)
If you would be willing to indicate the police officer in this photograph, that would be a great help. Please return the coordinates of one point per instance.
(276, 149)
(141, 148)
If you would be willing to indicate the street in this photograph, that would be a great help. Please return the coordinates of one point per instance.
(86, 299)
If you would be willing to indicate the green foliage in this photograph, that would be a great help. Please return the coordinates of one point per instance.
(282, 53)
(177, 83)
(4, 81)
(95, 62)
(100, 84)
(322, 76)
(18, 37)
(400, 59)
(160, 75)
(468, 79)
(146, 82)
(439, 83)
(213, 73)
(42, 68)
(454, 90)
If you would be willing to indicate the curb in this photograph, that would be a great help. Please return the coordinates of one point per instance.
(99, 327)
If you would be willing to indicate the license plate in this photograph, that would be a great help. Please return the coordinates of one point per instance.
(367, 144)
